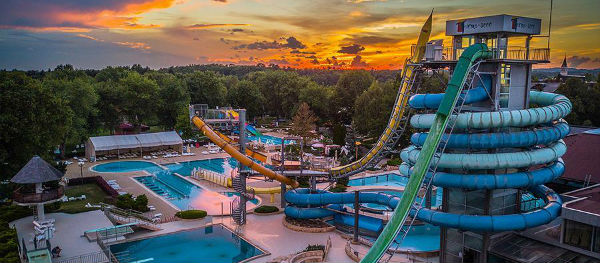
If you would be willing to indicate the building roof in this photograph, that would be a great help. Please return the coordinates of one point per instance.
(588, 199)
(114, 142)
(37, 171)
(581, 159)
(564, 63)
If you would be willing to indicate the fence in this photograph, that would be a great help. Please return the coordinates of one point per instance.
(95, 257)
(212, 177)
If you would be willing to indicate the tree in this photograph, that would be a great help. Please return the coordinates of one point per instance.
(318, 98)
(206, 87)
(32, 121)
(280, 89)
(81, 97)
(373, 108)
(350, 85)
(303, 123)
(173, 98)
(246, 94)
(140, 98)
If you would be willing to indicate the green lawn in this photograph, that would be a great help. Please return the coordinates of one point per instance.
(93, 193)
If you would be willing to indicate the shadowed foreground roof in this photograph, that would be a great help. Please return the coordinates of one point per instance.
(37, 171)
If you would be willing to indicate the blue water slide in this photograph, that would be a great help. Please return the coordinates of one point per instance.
(253, 130)
(432, 101)
(517, 139)
(530, 138)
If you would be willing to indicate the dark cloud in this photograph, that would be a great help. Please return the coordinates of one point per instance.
(352, 49)
(314, 61)
(290, 42)
(41, 14)
(371, 39)
(295, 51)
(576, 61)
(378, 52)
(220, 1)
(358, 63)
(237, 30)
(205, 26)
(279, 61)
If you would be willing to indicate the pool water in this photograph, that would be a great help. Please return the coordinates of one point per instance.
(217, 165)
(267, 139)
(420, 238)
(178, 191)
(390, 179)
(215, 244)
(126, 166)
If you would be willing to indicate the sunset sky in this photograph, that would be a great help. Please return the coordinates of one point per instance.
(40, 34)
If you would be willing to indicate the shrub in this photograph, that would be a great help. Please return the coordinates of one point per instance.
(342, 181)
(125, 201)
(191, 214)
(141, 203)
(314, 247)
(394, 162)
(265, 209)
(338, 189)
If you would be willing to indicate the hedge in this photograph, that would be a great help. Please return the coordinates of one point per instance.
(265, 209)
(191, 214)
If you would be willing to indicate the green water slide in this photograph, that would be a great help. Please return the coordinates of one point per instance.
(442, 117)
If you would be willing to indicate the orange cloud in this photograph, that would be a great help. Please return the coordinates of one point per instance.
(135, 45)
(205, 26)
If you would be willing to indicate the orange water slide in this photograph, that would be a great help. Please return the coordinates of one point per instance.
(242, 158)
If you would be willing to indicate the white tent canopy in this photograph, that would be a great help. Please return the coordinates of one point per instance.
(120, 142)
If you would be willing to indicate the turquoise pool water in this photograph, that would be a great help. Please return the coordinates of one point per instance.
(420, 238)
(217, 165)
(215, 244)
(126, 166)
(267, 139)
(390, 179)
(178, 191)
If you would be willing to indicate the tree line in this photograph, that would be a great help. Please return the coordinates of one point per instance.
(60, 108)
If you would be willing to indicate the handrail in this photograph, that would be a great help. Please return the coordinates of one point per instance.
(94, 257)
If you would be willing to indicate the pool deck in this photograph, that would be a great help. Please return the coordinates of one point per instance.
(69, 231)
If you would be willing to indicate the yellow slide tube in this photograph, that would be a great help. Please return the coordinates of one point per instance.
(214, 137)
(256, 155)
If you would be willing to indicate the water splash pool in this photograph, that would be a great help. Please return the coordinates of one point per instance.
(215, 244)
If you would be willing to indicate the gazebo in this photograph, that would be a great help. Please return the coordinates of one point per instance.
(36, 189)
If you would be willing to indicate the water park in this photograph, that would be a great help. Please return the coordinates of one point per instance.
(470, 182)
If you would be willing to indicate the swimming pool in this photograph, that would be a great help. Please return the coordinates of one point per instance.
(267, 139)
(215, 244)
(126, 166)
(217, 165)
(420, 238)
(185, 195)
(182, 194)
(390, 179)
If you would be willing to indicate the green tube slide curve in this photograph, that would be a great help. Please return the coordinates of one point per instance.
(440, 122)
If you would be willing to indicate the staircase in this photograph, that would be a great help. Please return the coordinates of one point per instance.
(238, 205)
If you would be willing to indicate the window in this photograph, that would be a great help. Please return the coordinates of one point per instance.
(504, 85)
(597, 240)
(578, 234)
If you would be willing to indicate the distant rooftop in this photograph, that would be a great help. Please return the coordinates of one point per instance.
(588, 199)
(581, 159)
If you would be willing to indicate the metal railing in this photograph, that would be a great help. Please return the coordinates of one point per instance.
(513, 53)
(25, 197)
(95, 257)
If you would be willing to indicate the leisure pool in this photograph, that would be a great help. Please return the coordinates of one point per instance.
(215, 244)
(176, 190)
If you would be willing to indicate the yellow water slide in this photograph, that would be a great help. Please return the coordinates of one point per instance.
(399, 107)
(242, 158)
(256, 155)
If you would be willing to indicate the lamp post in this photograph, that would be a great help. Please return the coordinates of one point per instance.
(80, 163)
